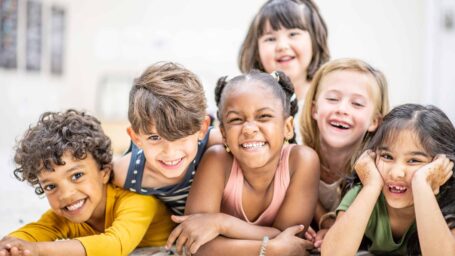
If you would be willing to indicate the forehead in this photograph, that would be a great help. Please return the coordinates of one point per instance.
(71, 163)
(403, 141)
(249, 92)
(350, 82)
(285, 14)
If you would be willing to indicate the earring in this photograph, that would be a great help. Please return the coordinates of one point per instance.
(286, 141)
(226, 147)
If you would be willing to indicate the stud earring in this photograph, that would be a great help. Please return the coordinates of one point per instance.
(226, 147)
(286, 141)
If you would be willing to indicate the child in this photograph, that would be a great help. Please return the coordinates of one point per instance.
(170, 131)
(344, 105)
(286, 35)
(403, 199)
(68, 157)
(258, 184)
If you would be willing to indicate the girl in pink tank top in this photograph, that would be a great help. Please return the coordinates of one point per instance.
(257, 185)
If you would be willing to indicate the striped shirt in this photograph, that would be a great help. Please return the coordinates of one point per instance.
(174, 196)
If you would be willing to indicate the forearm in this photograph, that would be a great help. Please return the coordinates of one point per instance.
(435, 236)
(320, 210)
(345, 236)
(67, 248)
(222, 246)
(233, 227)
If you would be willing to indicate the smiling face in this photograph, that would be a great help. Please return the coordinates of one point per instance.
(397, 160)
(77, 189)
(254, 125)
(168, 158)
(344, 108)
(287, 50)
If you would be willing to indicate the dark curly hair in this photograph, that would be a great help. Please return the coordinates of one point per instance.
(44, 144)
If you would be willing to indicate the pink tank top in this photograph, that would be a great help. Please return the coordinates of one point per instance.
(232, 196)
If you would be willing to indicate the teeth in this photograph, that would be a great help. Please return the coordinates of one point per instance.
(75, 206)
(253, 145)
(172, 163)
(285, 58)
(340, 125)
(395, 188)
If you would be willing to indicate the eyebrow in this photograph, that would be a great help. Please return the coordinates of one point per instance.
(75, 167)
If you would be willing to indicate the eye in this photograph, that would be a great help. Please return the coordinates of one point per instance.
(386, 156)
(77, 176)
(234, 120)
(49, 187)
(331, 99)
(294, 33)
(358, 104)
(268, 39)
(154, 137)
(265, 117)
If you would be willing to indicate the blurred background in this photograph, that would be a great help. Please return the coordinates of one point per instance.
(59, 54)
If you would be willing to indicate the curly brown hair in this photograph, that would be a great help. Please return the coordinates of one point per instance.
(44, 144)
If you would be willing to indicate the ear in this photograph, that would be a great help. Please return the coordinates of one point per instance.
(314, 111)
(374, 123)
(134, 137)
(204, 127)
(289, 128)
(106, 173)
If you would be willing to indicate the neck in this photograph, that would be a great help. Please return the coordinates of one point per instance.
(301, 86)
(334, 162)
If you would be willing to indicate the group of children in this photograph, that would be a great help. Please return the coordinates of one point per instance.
(359, 176)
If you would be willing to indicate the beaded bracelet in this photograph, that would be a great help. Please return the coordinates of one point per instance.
(265, 241)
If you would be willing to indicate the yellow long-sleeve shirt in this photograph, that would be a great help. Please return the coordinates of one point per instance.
(131, 220)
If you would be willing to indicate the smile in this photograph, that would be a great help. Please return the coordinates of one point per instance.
(253, 145)
(340, 125)
(75, 206)
(397, 189)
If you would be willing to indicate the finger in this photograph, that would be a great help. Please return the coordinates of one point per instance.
(447, 177)
(173, 236)
(179, 219)
(318, 244)
(309, 236)
(195, 246)
(180, 243)
(14, 251)
(371, 153)
(306, 244)
(27, 252)
(294, 229)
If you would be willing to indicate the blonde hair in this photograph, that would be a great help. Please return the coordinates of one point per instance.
(302, 14)
(309, 127)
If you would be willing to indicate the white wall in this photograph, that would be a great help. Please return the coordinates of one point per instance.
(114, 40)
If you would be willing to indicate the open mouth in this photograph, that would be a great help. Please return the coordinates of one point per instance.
(253, 145)
(340, 125)
(284, 59)
(396, 189)
(172, 163)
(75, 206)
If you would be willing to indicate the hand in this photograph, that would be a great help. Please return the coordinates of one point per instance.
(367, 171)
(194, 231)
(287, 243)
(435, 173)
(316, 237)
(11, 246)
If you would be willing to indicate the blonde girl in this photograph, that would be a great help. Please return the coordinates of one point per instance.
(343, 107)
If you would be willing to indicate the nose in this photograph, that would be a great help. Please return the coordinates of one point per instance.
(249, 128)
(168, 147)
(282, 43)
(397, 172)
(67, 192)
(342, 107)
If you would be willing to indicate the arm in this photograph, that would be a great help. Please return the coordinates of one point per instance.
(205, 199)
(345, 236)
(435, 237)
(120, 168)
(302, 194)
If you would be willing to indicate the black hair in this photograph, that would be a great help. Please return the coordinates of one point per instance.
(280, 84)
(437, 136)
(44, 144)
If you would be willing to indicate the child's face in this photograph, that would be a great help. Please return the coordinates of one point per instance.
(168, 158)
(397, 160)
(287, 50)
(76, 190)
(253, 124)
(344, 108)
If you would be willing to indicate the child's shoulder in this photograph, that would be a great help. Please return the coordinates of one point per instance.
(303, 158)
(120, 168)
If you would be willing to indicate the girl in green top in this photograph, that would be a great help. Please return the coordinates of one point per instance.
(403, 198)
